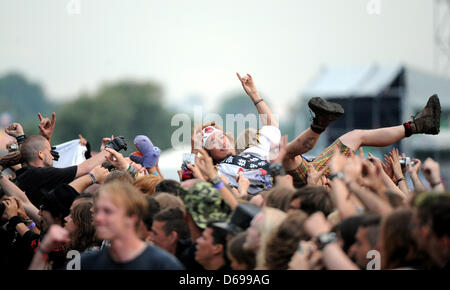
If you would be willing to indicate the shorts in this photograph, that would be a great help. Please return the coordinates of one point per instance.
(300, 174)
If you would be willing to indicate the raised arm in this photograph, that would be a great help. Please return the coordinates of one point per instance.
(46, 126)
(414, 174)
(433, 175)
(12, 190)
(97, 175)
(339, 193)
(264, 111)
(333, 257)
(207, 169)
(86, 167)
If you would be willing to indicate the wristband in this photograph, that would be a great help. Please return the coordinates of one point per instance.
(32, 226)
(217, 183)
(219, 186)
(20, 139)
(398, 180)
(133, 172)
(92, 177)
(325, 239)
(259, 101)
(434, 184)
(339, 175)
(276, 169)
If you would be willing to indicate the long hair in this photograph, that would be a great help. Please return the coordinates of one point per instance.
(272, 219)
(283, 244)
(84, 235)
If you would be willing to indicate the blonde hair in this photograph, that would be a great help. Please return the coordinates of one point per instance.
(147, 184)
(272, 219)
(124, 195)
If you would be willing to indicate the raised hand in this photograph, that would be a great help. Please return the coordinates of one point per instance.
(316, 224)
(414, 170)
(100, 173)
(56, 235)
(116, 159)
(372, 177)
(196, 173)
(313, 175)
(11, 207)
(104, 141)
(83, 141)
(206, 166)
(248, 85)
(432, 171)
(46, 126)
(15, 130)
(337, 162)
(395, 163)
(387, 166)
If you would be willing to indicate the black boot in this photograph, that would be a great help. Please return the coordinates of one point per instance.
(426, 122)
(325, 113)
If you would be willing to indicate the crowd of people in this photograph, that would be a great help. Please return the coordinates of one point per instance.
(250, 203)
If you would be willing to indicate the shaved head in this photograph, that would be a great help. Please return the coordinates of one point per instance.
(32, 146)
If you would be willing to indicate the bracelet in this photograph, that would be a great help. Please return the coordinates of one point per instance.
(258, 101)
(219, 186)
(217, 183)
(398, 180)
(92, 177)
(20, 139)
(434, 184)
(133, 172)
(32, 226)
(338, 175)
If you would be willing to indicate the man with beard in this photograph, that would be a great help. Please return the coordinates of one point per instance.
(39, 176)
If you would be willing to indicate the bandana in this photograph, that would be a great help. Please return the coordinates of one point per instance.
(208, 131)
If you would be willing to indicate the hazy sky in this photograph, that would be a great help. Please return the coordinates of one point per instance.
(194, 47)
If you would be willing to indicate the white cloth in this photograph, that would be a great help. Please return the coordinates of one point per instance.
(70, 153)
(253, 162)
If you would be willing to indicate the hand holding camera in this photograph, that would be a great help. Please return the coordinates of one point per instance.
(118, 143)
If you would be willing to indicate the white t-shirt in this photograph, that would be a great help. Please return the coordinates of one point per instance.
(253, 162)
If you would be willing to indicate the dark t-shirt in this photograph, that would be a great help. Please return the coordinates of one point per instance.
(152, 258)
(35, 180)
(186, 254)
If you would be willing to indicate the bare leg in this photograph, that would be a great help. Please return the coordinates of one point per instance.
(302, 144)
(377, 137)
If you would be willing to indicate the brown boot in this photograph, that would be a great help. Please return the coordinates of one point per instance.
(325, 113)
(428, 121)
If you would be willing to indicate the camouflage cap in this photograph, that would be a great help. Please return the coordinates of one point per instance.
(204, 204)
